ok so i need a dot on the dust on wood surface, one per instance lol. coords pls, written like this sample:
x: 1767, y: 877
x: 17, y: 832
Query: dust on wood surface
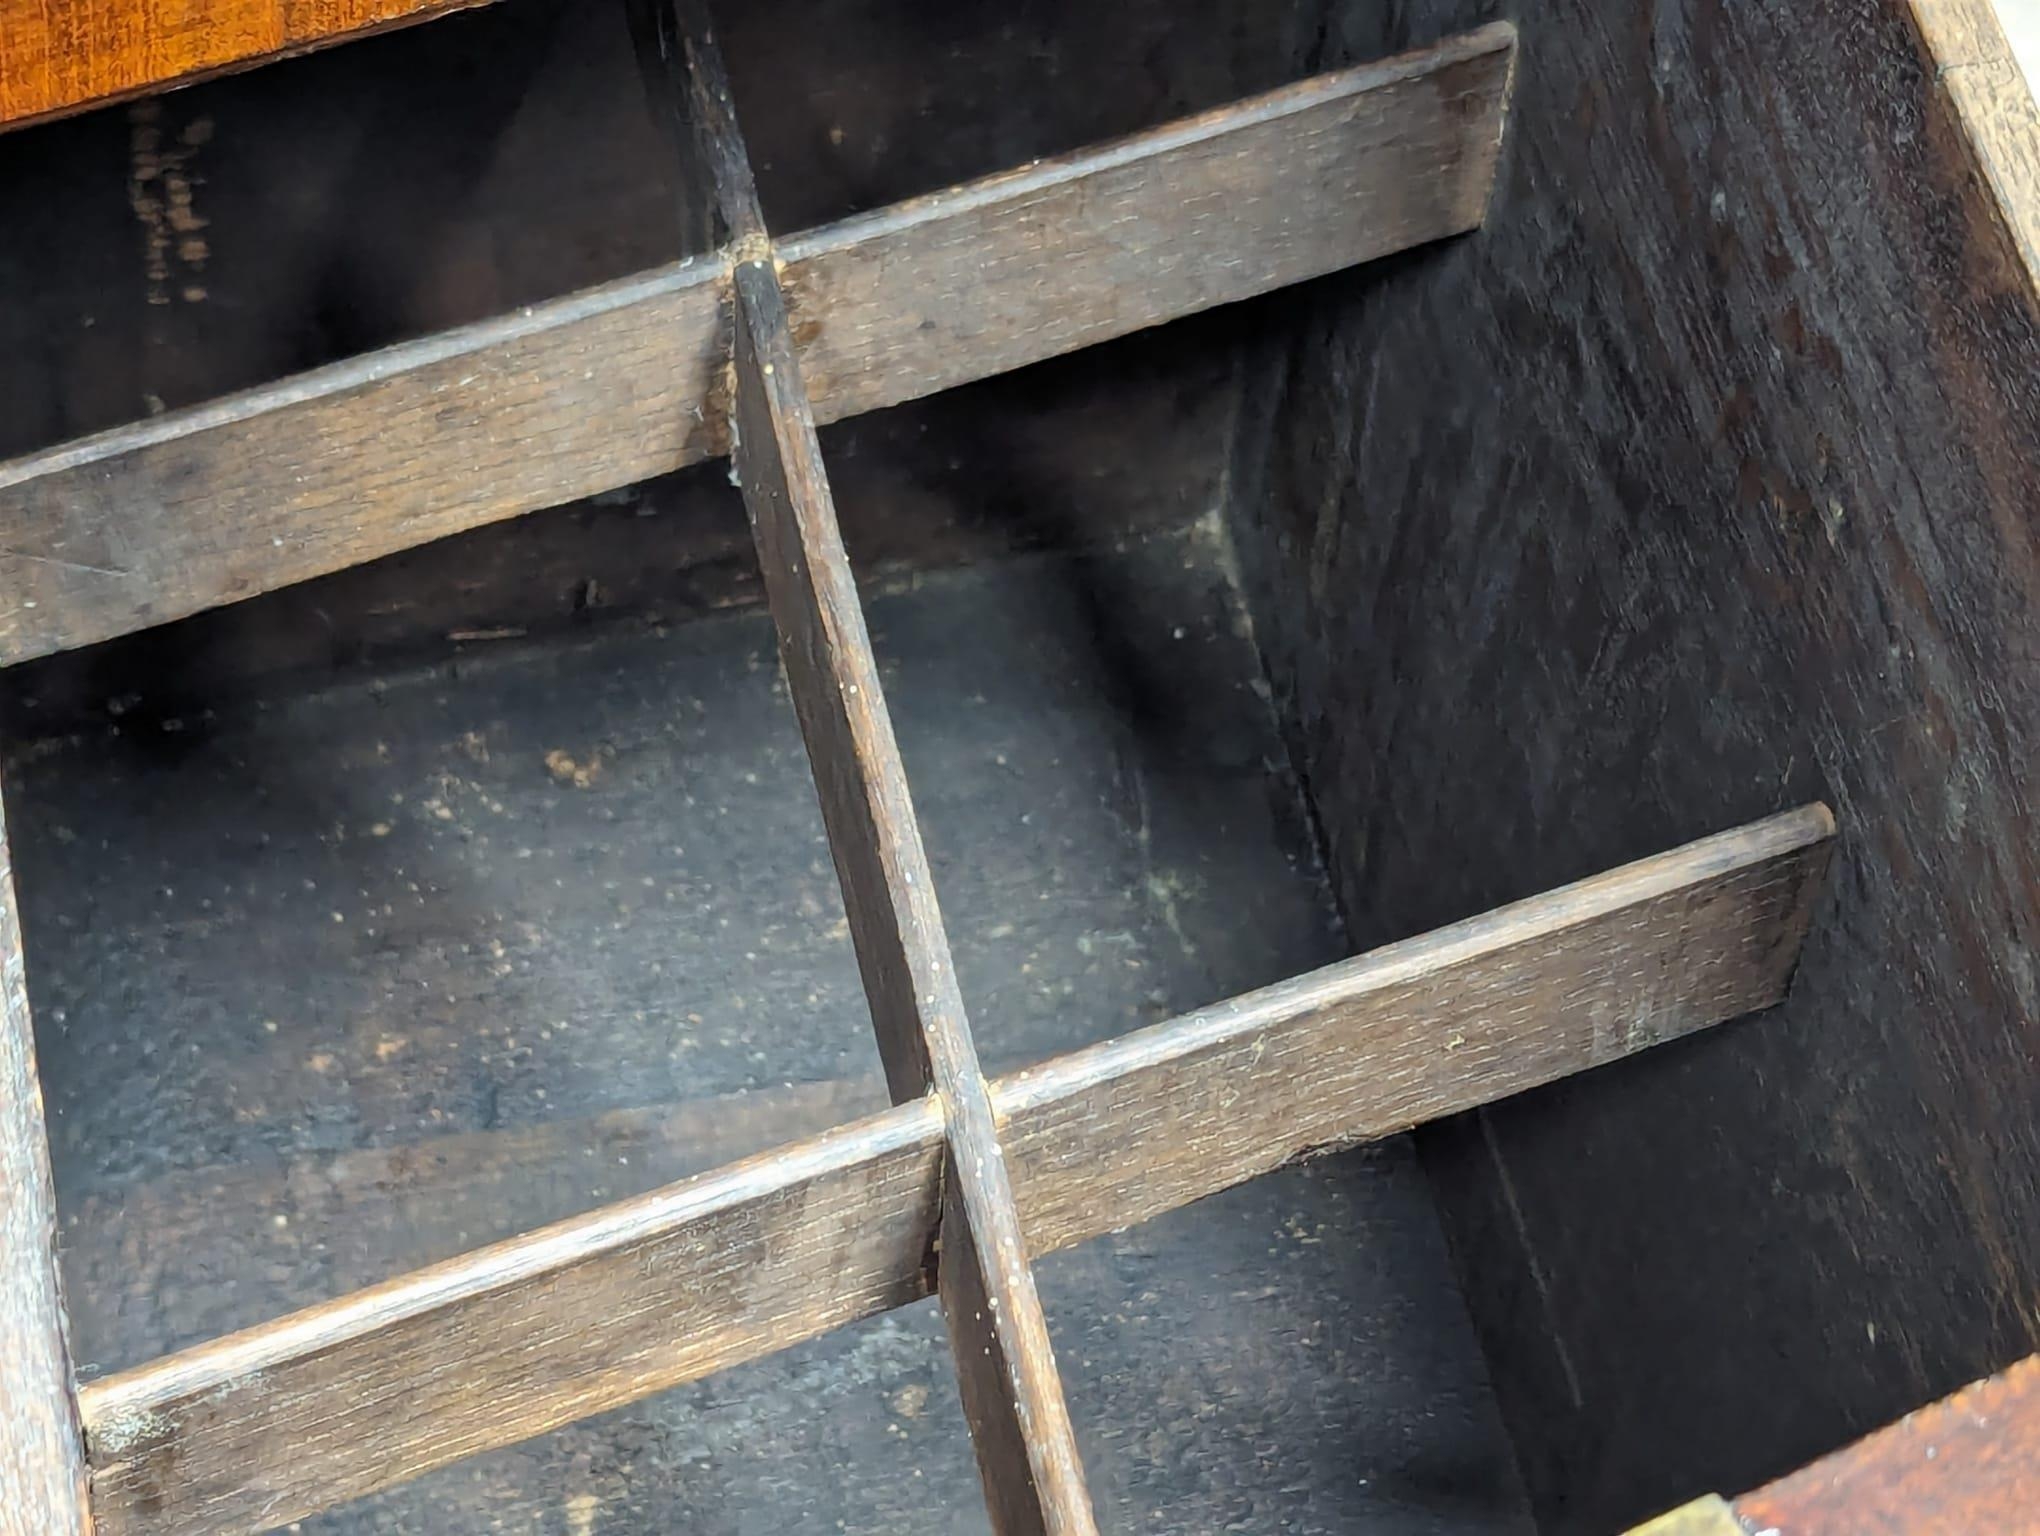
x: 1011, y: 1389
x: 1096, y: 753
x: 73, y: 54
x: 607, y: 1308
x: 864, y: 102
x: 1544, y: 988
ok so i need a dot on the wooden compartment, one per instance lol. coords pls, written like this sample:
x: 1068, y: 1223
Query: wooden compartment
x: 1438, y: 457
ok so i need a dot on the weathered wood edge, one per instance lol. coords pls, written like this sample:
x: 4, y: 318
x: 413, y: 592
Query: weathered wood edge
x: 20, y: 108
x: 1006, y: 1371
x: 1011, y: 1388
x: 698, y: 72
x: 1117, y: 1133
x: 1169, y: 1089
x: 1975, y: 65
x: 275, y: 1423
x: 488, y: 1271
x: 1426, y: 130
x: 1495, y: 40
x: 205, y: 506
x: 42, y: 1453
x: 1967, y: 1464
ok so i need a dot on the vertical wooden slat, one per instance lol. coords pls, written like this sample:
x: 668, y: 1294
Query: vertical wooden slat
x: 42, y: 1455
x: 1012, y: 1393
x: 689, y: 93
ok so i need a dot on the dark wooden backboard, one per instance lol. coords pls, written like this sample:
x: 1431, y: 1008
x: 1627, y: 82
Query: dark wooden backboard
x: 1702, y: 478
x: 165, y: 252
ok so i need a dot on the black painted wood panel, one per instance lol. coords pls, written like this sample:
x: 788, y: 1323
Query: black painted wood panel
x: 1699, y: 481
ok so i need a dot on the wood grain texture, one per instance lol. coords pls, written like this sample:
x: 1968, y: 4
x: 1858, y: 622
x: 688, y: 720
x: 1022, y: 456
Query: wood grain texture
x: 275, y: 1422
x: 687, y: 43
x: 1702, y: 478
x: 42, y: 1462
x: 357, y: 460
x: 1967, y: 1464
x: 171, y: 1164
x: 1012, y: 1391
x: 270, y: 1425
x: 1976, y: 65
x: 62, y: 56
x: 2019, y: 20
x: 357, y: 259
x: 1335, y: 170
x: 213, y: 504
x: 1555, y: 985
x: 1006, y: 1372
x: 832, y: 676
x: 190, y: 1256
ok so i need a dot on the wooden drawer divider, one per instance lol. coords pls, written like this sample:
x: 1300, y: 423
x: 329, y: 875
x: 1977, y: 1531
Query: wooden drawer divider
x: 952, y: 1189
x: 208, y: 505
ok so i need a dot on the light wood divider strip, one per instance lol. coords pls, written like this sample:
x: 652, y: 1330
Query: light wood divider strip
x: 1118, y: 1133
x: 42, y: 1453
x: 1274, y: 190
x: 1974, y: 62
x: 275, y: 1423
x: 199, y: 507
x: 1012, y: 1394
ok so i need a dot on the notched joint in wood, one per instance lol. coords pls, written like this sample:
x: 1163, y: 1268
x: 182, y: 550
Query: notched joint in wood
x: 755, y: 246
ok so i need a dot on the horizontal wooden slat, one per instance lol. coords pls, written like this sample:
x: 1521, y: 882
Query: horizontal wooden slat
x: 1336, y: 170
x: 351, y: 462
x: 273, y: 1423
x: 200, y: 507
x: 276, y: 1422
x: 1011, y: 1389
x: 1110, y: 1136
x: 59, y: 56
x: 146, y: 1260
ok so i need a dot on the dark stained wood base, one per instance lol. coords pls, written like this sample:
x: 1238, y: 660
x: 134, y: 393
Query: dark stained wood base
x: 1286, y: 1356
